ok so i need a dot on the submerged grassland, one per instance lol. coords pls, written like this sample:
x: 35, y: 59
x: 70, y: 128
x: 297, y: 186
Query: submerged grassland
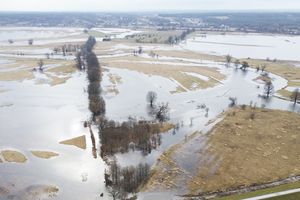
x: 249, y: 146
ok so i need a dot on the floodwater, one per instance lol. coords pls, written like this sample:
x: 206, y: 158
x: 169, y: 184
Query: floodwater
x: 260, y: 46
x: 40, y: 116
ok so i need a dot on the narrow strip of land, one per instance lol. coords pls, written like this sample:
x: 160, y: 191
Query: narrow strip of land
x: 276, y: 194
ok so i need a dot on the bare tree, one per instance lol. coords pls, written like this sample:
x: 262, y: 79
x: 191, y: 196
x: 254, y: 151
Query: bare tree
x: 269, y: 89
x: 228, y: 60
x: 170, y: 40
x: 41, y: 64
x: 233, y: 101
x: 30, y: 41
x: 237, y: 63
x: 151, y: 98
x: 140, y: 51
x: 162, y: 113
x: 263, y: 67
x: 115, y: 192
x: 79, y: 63
x: 295, y: 96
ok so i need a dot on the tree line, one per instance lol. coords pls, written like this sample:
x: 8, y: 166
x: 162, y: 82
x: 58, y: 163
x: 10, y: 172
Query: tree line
x: 121, y: 181
x: 94, y: 75
x: 129, y: 135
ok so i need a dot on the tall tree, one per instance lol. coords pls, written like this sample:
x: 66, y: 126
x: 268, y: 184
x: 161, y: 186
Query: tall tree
x: 30, y: 41
x: 228, y: 60
x: 237, y: 63
x: 41, y: 64
x: 295, y: 96
x: 151, y: 98
x: 269, y: 89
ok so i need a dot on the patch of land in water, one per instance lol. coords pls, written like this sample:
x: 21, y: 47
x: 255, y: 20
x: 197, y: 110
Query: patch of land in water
x: 285, y: 69
x: 281, y: 68
x: 41, y: 192
x: 186, y: 54
x: 280, y: 188
x: 176, y: 72
x: 79, y: 142
x: 153, y: 36
x: 115, y: 80
x: 165, y: 172
x: 13, y: 156
x: 251, y: 146
x: 58, y: 71
x: 44, y: 154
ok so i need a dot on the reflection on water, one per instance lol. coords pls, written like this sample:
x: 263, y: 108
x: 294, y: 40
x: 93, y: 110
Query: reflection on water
x: 40, y: 117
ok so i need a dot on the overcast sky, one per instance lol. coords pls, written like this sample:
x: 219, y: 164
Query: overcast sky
x: 146, y: 5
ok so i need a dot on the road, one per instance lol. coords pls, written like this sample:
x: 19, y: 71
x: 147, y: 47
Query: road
x: 274, y: 194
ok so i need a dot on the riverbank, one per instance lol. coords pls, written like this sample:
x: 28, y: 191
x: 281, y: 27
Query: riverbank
x: 239, y: 151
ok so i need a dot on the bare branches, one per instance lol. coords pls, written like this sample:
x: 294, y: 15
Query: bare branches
x: 151, y: 98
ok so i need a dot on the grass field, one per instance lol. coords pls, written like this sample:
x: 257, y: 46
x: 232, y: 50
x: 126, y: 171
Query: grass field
x: 295, y: 196
x: 281, y: 68
x: 240, y: 150
x: 280, y: 188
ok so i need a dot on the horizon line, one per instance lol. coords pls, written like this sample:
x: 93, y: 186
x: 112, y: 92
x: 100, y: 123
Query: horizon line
x: 158, y: 11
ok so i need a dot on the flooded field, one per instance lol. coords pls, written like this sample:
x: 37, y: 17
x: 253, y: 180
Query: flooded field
x: 45, y: 122
x: 242, y: 45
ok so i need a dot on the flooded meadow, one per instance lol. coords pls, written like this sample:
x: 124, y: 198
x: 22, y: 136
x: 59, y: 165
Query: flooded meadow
x: 43, y: 114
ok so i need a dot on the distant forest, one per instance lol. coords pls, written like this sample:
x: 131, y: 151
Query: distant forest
x: 267, y: 22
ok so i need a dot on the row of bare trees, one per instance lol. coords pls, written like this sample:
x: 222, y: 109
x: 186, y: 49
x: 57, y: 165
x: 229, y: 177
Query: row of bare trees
x: 123, y: 180
x: 67, y: 48
x: 242, y: 65
x: 269, y: 87
x: 139, y: 135
x: 94, y: 75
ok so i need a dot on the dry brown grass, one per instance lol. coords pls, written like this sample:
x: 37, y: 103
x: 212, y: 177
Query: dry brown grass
x: 170, y: 72
x: 284, y: 69
x: 44, y: 154
x: 115, y: 79
x: 257, y: 150
x: 26, y: 73
x: 79, y: 142
x: 247, y: 147
x: 112, y: 89
x: 164, y: 127
x: 165, y: 174
x: 189, y: 55
x: 50, y: 189
x: 265, y: 79
x: 64, y: 68
x: 153, y: 36
x: 19, y: 75
x: 13, y: 156
x: 284, y: 93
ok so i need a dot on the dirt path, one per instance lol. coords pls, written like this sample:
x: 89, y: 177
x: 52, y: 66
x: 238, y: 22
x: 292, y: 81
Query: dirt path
x: 274, y: 194
x: 248, y: 189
